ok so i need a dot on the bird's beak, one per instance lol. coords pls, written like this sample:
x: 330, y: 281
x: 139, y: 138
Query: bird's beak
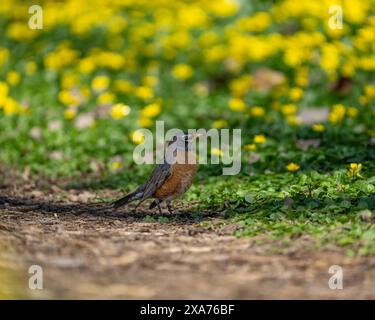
x: 197, y: 135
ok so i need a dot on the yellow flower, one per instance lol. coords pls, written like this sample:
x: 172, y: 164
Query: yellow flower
x: 4, y: 55
x: 10, y: 106
x: 13, y: 78
x: 237, y: 104
x: 216, y: 152
x: 292, y: 167
x: 302, y: 77
x: 241, y: 85
x: 68, y: 98
x: 192, y: 16
x: 354, y: 170
x: 260, y: 138
x: 123, y: 85
x: 150, y: 81
x: 215, y: 54
x: 151, y: 110
x: 20, y: 31
x: 208, y: 38
x: 224, y: 8
x: 69, y: 114
x: 137, y: 137
x: 289, y: 109
x: 106, y: 98
x: 370, y: 91
x: 182, y: 71
x: 352, y: 112
x: 62, y: 57
x: 86, y: 65
x: 337, y: 113
x: 69, y: 80
x: 363, y: 100
x: 295, y: 55
x: 218, y: 124
x: 367, y: 63
x: 318, y: 127
x: 145, y: 122
x: 250, y: 147
x: 257, y: 111
x: 119, y: 111
x: 356, y: 11
x: 30, y: 68
x: 85, y: 92
x: 4, y: 89
x: 117, y: 24
x: 256, y: 23
x: 293, y: 120
x: 330, y: 58
x: 296, y: 93
x: 115, y: 165
x: 100, y: 83
x: 144, y: 93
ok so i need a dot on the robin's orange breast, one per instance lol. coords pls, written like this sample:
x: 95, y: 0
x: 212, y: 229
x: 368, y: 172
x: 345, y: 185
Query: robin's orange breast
x: 181, y: 178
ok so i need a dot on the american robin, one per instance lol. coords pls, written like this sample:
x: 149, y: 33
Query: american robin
x: 170, y: 179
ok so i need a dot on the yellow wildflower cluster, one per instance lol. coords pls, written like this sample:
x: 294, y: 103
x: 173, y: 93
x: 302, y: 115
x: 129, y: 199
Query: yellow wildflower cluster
x: 8, y: 104
x: 292, y: 167
x: 354, y: 170
x: 339, y: 111
x: 119, y: 111
x: 113, y: 57
x: 260, y: 138
x: 182, y: 71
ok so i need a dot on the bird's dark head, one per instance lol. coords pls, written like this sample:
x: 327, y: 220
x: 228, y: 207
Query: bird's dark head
x: 184, y: 140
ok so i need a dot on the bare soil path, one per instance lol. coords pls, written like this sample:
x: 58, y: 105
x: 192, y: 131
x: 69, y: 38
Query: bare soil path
x: 87, y: 251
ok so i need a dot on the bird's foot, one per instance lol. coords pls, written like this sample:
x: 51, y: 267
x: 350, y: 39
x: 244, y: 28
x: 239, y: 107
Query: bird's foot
x: 170, y: 209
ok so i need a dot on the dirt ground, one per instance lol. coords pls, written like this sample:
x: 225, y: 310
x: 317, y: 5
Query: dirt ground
x: 89, y: 251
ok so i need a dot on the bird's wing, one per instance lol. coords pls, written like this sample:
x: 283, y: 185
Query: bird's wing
x: 158, y: 176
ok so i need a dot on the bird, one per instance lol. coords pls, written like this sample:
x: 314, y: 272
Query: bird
x: 170, y: 179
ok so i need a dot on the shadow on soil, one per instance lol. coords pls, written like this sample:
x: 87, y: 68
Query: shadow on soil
x: 103, y: 210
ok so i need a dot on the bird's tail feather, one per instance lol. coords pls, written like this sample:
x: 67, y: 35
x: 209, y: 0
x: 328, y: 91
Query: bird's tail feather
x: 125, y: 200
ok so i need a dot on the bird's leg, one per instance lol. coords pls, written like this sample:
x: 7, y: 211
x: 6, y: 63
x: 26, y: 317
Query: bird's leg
x: 158, y: 204
x: 170, y: 210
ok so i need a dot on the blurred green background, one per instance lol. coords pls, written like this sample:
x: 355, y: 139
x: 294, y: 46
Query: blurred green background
x: 73, y: 94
